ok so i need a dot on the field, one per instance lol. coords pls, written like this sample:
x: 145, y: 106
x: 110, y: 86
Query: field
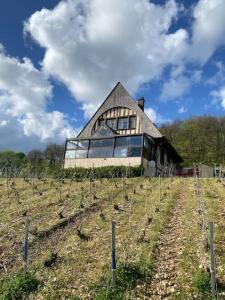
x: 162, y: 249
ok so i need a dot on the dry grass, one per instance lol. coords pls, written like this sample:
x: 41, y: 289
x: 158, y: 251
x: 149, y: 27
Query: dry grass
x: 80, y: 264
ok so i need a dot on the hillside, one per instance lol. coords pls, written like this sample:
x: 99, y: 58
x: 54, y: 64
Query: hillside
x: 198, y: 139
x: 159, y: 237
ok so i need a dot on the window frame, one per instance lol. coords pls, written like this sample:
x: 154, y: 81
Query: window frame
x: 135, y: 118
x: 116, y: 123
x: 122, y: 118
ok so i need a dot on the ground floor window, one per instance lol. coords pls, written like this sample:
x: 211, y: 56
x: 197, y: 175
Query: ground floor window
x: 118, y: 146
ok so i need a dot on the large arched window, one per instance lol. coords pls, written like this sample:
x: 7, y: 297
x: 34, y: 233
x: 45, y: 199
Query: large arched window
x: 120, y: 119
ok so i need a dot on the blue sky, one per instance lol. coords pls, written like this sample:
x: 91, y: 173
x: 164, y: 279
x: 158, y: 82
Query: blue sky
x: 60, y: 59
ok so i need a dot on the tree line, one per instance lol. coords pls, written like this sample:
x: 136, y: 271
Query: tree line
x: 51, y: 156
x: 198, y: 139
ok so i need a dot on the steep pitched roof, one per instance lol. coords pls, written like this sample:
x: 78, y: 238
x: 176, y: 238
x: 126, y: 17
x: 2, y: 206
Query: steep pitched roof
x: 119, y: 96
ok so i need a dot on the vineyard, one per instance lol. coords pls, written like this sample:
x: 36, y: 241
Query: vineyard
x: 161, y: 238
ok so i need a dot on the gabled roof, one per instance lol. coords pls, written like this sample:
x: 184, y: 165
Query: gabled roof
x: 119, y: 97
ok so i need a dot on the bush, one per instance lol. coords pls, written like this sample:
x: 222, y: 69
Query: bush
x: 201, y: 282
x: 103, y: 172
x: 18, y: 286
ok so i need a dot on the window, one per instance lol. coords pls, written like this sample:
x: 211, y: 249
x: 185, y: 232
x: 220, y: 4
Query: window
x: 82, y: 144
x: 134, y: 151
x: 71, y: 145
x: 100, y: 152
x: 81, y: 153
x: 129, y: 141
x: 123, y: 123
x: 120, y: 152
x: 148, y: 149
x: 129, y: 146
x: 101, y: 148
x: 101, y: 122
x: 101, y: 143
x: 70, y: 154
x: 132, y: 122
x: 112, y: 123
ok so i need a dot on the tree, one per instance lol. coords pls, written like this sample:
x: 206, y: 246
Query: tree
x: 54, y: 153
x: 35, y: 156
x: 198, y: 139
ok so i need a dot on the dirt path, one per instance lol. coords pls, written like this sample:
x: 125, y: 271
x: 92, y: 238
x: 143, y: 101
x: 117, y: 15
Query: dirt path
x: 163, y: 283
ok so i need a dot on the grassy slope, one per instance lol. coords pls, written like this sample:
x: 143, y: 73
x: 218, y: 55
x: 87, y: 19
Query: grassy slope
x: 81, y: 264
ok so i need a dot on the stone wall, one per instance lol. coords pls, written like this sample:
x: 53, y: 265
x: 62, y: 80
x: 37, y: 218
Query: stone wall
x: 102, y: 162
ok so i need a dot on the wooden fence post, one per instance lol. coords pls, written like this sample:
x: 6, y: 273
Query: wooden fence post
x: 113, y: 253
x: 159, y: 187
x: 212, y: 260
x: 26, y: 233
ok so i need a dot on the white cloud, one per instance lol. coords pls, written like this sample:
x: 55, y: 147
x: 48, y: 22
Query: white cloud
x: 219, y: 76
x: 219, y: 96
x: 91, y: 45
x: 208, y: 29
x: 24, y: 92
x: 53, y: 124
x: 175, y: 88
x: 155, y: 117
x: 182, y: 110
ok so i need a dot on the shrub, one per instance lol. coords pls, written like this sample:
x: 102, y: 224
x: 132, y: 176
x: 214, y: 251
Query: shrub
x: 18, y: 286
x: 103, y: 172
x: 201, y: 282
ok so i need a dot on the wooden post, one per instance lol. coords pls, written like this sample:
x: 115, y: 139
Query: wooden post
x: 159, y: 187
x: 123, y: 186
x: 113, y: 253
x: 26, y: 242
x: 212, y: 260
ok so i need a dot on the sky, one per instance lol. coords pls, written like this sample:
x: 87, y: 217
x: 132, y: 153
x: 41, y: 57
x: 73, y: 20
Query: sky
x: 60, y: 59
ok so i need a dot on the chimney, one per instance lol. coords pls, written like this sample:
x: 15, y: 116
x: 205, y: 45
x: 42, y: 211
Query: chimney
x: 141, y: 103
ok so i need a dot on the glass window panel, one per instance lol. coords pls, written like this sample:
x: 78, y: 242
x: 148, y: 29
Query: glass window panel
x: 100, y: 152
x: 71, y: 145
x: 70, y: 154
x: 123, y: 123
x: 112, y: 123
x: 81, y: 153
x: 148, y: 149
x: 101, y: 122
x: 82, y: 144
x: 132, y: 122
x: 120, y: 152
x: 101, y: 143
x: 129, y: 141
x: 134, y: 151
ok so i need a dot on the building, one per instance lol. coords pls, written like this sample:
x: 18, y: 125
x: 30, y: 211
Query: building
x: 120, y: 133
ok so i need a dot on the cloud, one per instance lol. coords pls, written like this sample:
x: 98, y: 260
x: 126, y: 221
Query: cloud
x: 156, y: 117
x: 219, y: 96
x: 24, y: 93
x: 208, y: 29
x: 175, y: 88
x: 219, y: 76
x: 182, y: 110
x: 91, y: 45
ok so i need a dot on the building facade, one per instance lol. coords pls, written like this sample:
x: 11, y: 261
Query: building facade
x: 120, y: 133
